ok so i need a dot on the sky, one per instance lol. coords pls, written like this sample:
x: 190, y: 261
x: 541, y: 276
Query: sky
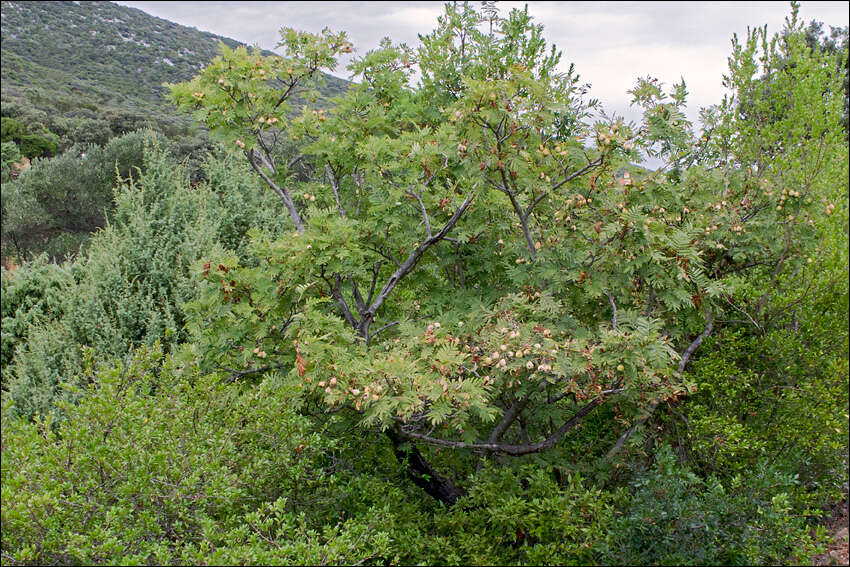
x: 611, y: 43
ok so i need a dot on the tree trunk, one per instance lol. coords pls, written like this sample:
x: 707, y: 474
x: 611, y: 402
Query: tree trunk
x: 421, y: 473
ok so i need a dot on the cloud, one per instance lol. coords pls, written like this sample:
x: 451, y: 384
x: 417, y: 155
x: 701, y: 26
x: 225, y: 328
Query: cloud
x: 611, y: 43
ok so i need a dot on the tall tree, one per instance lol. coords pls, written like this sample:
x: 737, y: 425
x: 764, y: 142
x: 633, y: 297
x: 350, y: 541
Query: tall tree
x: 464, y: 268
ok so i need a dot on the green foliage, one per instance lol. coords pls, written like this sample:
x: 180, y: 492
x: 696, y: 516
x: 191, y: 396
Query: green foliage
x: 158, y: 464
x: 32, y: 297
x: 456, y: 281
x: 780, y: 398
x: 524, y: 518
x: 10, y: 155
x: 126, y: 290
x: 10, y: 129
x: 128, y: 287
x: 674, y: 517
x: 545, y: 283
x: 68, y: 195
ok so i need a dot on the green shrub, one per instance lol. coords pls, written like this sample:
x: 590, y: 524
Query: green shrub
x: 674, y: 517
x: 159, y: 464
x: 71, y: 193
x: 126, y: 291
x: 780, y: 398
x: 31, y: 297
x: 521, y: 517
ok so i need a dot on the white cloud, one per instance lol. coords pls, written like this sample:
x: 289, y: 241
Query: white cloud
x: 611, y: 43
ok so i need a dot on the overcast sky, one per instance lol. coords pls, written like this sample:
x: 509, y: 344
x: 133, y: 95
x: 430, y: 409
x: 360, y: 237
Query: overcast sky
x: 611, y: 43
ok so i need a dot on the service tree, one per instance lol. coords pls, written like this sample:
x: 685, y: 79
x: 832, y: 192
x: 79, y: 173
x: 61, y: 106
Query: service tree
x: 469, y: 262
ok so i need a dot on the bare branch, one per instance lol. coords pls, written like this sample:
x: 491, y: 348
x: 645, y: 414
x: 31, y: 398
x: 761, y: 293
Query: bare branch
x: 613, y: 309
x: 406, y: 267
x: 595, y: 163
x: 282, y: 192
x: 294, y: 160
x: 337, y: 294
x: 753, y: 321
x: 358, y: 299
x: 630, y: 431
x: 418, y: 197
x: 387, y: 326
x: 508, y: 418
x: 375, y: 271
x: 330, y: 173
x: 286, y: 93
x: 686, y: 356
x: 234, y: 374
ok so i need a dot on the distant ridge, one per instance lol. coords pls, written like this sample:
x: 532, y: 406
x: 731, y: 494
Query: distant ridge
x: 86, y: 60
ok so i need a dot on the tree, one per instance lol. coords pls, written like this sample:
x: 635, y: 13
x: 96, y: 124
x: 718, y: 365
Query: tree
x: 464, y: 270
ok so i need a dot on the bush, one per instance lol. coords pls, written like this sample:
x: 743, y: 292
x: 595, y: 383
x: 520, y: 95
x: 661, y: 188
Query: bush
x: 521, y: 517
x: 31, y: 297
x: 127, y: 290
x: 68, y: 194
x: 674, y: 517
x: 780, y: 398
x: 158, y: 464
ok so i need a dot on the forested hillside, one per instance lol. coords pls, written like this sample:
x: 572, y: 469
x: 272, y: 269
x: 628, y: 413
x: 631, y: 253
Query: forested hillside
x: 84, y: 73
x: 96, y: 69
x: 446, y: 317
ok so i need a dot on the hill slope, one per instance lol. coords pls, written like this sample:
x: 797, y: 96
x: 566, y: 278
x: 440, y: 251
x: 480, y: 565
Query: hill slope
x: 88, y: 71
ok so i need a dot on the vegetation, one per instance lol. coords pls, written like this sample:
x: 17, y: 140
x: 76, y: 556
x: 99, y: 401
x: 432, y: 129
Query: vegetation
x: 76, y: 76
x: 446, y: 322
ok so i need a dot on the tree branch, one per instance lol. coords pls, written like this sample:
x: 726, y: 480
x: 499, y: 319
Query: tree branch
x: 330, y: 173
x: 358, y: 299
x: 613, y: 309
x: 424, y: 212
x: 337, y: 294
x: 508, y: 418
x: 595, y: 163
x: 375, y: 271
x: 405, y: 268
x: 281, y: 192
x: 686, y: 356
x: 513, y: 450
x: 234, y: 374
x: 534, y: 203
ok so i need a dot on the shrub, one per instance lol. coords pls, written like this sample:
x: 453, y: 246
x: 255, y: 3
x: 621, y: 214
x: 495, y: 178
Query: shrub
x: 159, y: 464
x: 674, y: 517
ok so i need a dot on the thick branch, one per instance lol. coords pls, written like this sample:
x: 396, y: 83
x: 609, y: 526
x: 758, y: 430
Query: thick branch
x: 358, y: 299
x: 376, y: 269
x: 337, y: 294
x: 686, y: 356
x: 514, y: 450
x: 508, y: 419
x: 420, y: 472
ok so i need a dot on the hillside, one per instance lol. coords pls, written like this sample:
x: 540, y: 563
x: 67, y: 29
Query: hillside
x: 88, y: 71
